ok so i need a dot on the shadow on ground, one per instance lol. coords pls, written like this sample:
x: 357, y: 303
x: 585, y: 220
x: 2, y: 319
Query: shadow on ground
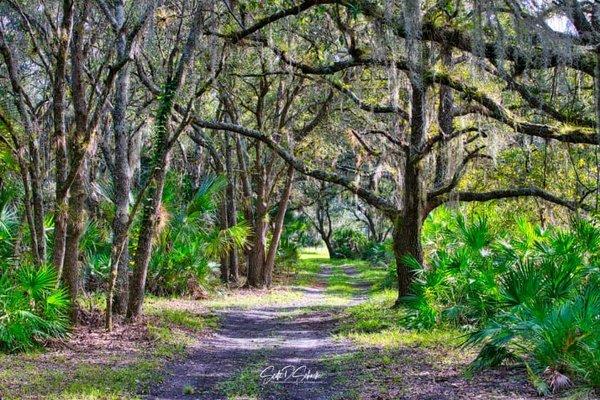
x: 252, y: 345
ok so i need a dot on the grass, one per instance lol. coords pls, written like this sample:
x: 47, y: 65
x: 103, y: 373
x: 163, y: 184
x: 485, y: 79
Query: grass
x: 246, y: 299
x: 306, y: 271
x: 311, y: 253
x: 244, y: 385
x: 99, y: 382
x: 174, y: 312
x: 60, y: 379
x: 339, y: 283
x: 376, y: 330
x: 376, y: 323
x: 189, y: 390
x: 104, y: 372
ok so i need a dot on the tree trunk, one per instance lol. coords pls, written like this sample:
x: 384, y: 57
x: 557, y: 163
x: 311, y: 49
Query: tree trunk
x: 77, y: 193
x: 224, y: 267
x: 160, y: 165
x: 118, y: 284
x: 256, y: 257
x: 408, y: 225
x: 60, y: 140
x: 278, y: 229
x: 232, y: 258
x: 444, y: 160
x: 407, y: 230
x: 234, y: 273
x: 60, y: 227
x: 329, y: 246
x: 24, y: 172
x: 137, y: 284
x: 597, y: 117
x: 37, y: 200
x: 75, y: 225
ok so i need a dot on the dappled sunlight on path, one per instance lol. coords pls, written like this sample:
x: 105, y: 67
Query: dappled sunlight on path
x: 253, y: 344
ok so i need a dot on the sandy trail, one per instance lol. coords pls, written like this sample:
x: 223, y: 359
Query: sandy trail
x: 292, y: 339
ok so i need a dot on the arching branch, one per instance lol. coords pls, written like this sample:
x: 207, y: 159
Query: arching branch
x: 492, y: 109
x: 301, y: 166
x: 507, y: 194
x: 498, y: 112
x: 294, y: 10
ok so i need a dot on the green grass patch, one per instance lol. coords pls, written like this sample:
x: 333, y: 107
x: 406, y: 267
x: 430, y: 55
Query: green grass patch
x: 360, y: 369
x: 306, y: 271
x: 309, y: 253
x: 244, y: 385
x: 99, y: 382
x: 169, y: 343
x: 339, y: 283
x: 107, y: 374
x: 88, y: 381
x: 186, y: 319
x: 246, y: 299
x: 372, y: 274
x: 374, y: 315
x: 375, y: 323
x: 394, y: 338
x: 189, y: 390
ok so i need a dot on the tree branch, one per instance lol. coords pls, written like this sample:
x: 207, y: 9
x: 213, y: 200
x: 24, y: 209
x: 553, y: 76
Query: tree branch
x: 294, y: 10
x: 508, y: 194
x: 300, y: 165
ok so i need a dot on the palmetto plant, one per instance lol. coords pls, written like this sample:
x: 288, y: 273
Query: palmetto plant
x: 549, y: 310
x: 8, y: 225
x: 32, y: 307
x: 191, y: 238
x: 458, y: 286
x: 95, y: 248
x: 532, y: 296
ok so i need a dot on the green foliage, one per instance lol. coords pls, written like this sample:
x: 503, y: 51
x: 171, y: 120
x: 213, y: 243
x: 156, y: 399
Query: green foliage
x: 529, y: 295
x: 458, y: 287
x: 549, y: 309
x: 374, y: 315
x: 245, y: 384
x: 191, y: 238
x: 95, y: 247
x: 351, y: 243
x: 348, y: 243
x: 378, y: 252
x: 189, y: 390
x: 297, y: 233
x: 32, y: 307
x: 8, y: 226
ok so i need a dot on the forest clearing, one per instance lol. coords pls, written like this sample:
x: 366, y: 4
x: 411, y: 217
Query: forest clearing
x: 299, y: 199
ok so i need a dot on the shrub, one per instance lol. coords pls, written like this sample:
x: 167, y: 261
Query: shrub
x: 378, y: 252
x: 532, y: 296
x: 190, y: 239
x: 297, y: 233
x: 32, y: 307
x: 458, y: 287
x: 549, y: 309
x: 348, y: 243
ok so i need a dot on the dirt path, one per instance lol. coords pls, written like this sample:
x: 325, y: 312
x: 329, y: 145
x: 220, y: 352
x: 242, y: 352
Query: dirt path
x: 278, y: 352
x: 265, y: 353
